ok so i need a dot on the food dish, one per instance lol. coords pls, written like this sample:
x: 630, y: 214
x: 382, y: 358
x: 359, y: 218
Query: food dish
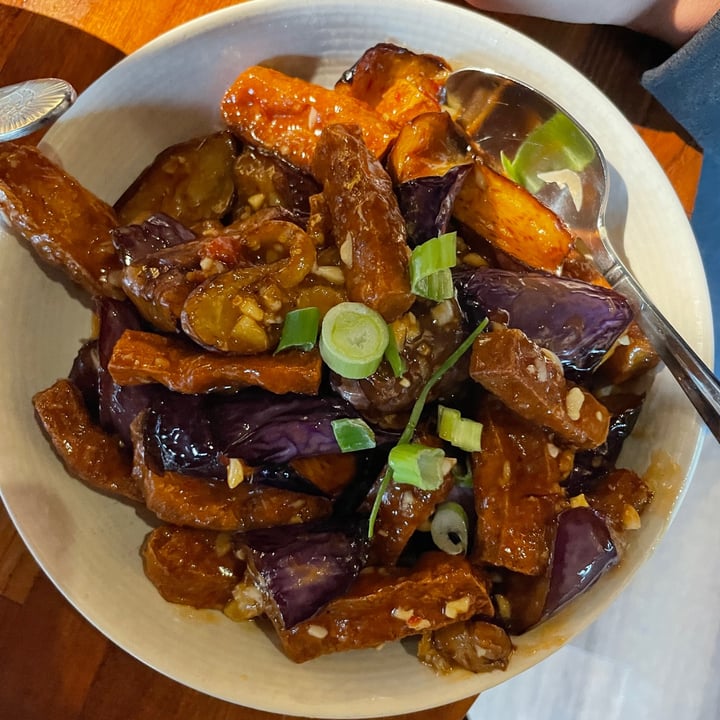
x: 105, y: 540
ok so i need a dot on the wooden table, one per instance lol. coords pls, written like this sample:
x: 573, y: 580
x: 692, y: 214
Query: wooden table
x: 53, y: 664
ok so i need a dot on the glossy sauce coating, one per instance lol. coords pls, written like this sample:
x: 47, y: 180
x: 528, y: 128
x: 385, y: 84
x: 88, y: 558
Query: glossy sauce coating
x: 367, y: 225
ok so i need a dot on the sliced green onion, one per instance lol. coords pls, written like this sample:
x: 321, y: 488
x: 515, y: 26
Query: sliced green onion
x: 430, y: 265
x: 300, y: 329
x: 556, y: 144
x: 418, y: 465
x: 438, y: 286
x: 449, y: 528
x: 353, y: 339
x: 393, y: 356
x: 461, y: 432
x: 409, y: 430
x: 353, y: 434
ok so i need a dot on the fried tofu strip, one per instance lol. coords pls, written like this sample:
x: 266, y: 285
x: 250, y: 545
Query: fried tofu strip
x: 385, y: 605
x: 88, y: 452
x: 367, y: 224
x: 195, y: 502
x: 199, y: 503
x: 512, y: 367
x: 516, y: 479
x: 286, y: 114
x: 512, y: 220
x: 191, y: 567
x: 65, y: 224
x: 143, y: 357
x: 403, y: 510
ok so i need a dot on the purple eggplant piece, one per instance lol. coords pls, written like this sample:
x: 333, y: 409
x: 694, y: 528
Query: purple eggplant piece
x: 262, y: 428
x: 114, y: 317
x: 577, y: 321
x: 426, y: 203
x: 197, y: 434
x: 118, y: 405
x: 302, y: 567
x: 583, y: 551
x: 85, y: 376
x: 179, y: 438
x: 176, y: 445
x: 591, y: 465
x: 158, y: 232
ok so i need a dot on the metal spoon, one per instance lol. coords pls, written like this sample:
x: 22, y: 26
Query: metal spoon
x: 499, y: 112
x: 31, y: 105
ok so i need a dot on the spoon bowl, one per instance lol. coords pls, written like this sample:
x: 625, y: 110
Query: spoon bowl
x: 502, y: 116
x: 31, y: 105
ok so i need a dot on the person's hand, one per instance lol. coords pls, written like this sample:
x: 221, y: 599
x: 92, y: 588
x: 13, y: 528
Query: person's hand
x: 674, y: 21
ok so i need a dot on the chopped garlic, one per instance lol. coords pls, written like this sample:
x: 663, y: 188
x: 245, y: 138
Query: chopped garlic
x: 256, y: 201
x: 573, y: 403
x: 631, y: 518
x: 453, y: 608
x: 317, y: 631
x: 235, y: 472
x: 579, y: 501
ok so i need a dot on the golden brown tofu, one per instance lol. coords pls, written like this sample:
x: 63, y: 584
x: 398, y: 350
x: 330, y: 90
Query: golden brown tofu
x: 65, y: 224
x: 403, y: 510
x: 331, y: 473
x: 142, y: 357
x: 191, y: 567
x: 384, y: 605
x: 87, y: 451
x: 367, y: 225
x: 530, y: 382
x: 620, y: 497
x: 516, y: 479
x: 631, y: 356
x: 201, y: 503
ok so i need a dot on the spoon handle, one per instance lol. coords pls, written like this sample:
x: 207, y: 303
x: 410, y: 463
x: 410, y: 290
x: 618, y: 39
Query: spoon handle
x: 694, y: 377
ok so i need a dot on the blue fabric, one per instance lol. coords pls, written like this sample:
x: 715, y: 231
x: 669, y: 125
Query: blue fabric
x: 688, y: 85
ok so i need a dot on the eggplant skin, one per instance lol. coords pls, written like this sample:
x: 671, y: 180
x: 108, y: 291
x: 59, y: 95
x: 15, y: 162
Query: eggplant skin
x: 577, y: 321
x: 582, y: 552
x: 195, y: 434
x: 302, y: 567
x: 158, y: 232
x: 426, y: 203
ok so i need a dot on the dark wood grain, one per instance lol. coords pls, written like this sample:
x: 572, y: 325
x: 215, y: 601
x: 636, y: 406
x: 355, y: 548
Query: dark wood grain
x: 53, y: 664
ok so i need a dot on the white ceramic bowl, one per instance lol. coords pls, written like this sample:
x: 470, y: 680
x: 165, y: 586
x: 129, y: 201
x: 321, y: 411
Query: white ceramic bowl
x: 169, y: 91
